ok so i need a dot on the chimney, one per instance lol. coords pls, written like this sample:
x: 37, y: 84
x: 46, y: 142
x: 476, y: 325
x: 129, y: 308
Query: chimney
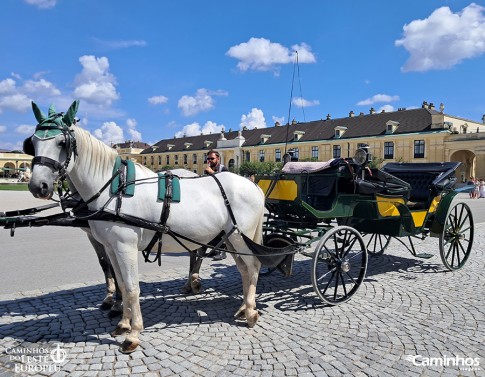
x: 351, y: 114
x: 372, y: 110
x: 361, y: 113
x: 329, y: 117
x: 424, y: 105
x: 294, y: 121
x: 277, y: 124
x: 442, y: 107
x: 431, y: 106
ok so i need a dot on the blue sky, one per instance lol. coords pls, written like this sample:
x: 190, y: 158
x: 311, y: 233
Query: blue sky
x: 148, y: 70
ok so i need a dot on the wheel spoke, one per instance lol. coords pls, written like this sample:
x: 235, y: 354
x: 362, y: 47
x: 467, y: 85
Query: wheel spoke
x: 329, y: 271
x: 343, y: 284
x: 329, y: 281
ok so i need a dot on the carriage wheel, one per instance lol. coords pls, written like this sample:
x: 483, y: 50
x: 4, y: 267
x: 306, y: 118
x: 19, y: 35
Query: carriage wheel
x: 457, y: 238
x: 339, y: 265
x: 277, y: 241
x: 375, y: 243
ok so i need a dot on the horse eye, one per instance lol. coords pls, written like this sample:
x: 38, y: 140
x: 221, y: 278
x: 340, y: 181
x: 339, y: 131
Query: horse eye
x: 62, y: 143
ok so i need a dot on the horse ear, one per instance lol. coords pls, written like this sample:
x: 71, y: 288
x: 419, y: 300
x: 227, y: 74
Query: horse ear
x: 52, y: 110
x: 38, y: 114
x: 68, y: 118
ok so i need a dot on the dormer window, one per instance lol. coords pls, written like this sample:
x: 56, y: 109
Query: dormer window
x: 170, y: 146
x: 207, y: 143
x: 339, y: 131
x: 187, y: 145
x: 264, y: 138
x: 297, y: 135
x: 391, y: 126
x: 154, y: 148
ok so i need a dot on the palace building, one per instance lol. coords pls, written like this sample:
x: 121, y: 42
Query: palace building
x: 416, y: 135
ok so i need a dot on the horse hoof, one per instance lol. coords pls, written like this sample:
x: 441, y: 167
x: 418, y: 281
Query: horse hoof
x: 106, y: 306
x: 120, y: 331
x: 186, y: 289
x: 128, y: 346
x: 252, y: 320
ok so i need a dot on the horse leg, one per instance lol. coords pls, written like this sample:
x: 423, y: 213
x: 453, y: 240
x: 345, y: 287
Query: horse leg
x: 248, y: 267
x: 126, y: 267
x: 193, y: 281
x: 124, y: 323
x: 107, y: 270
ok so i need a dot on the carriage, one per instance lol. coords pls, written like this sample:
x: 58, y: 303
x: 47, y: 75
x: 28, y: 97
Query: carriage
x: 348, y: 208
x: 353, y: 211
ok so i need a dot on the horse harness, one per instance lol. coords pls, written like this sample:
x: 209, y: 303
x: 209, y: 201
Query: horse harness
x: 55, y: 124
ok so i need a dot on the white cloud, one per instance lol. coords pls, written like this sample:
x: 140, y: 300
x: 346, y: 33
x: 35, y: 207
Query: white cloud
x: 95, y: 84
x: 15, y: 102
x: 254, y: 119
x: 378, y: 98
x: 3, y: 129
x: 25, y: 129
x: 202, y: 101
x: 301, y: 102
x: 386, y: 108
x: 42, y: 4
x: 110, y: 133
x: 280, y: 120
x: 116, y: 45
x: 261, y: 54
x: 157, y: 100
x: 444, y: 39
x: 134, y: 133
x: 41, y: 87
x: 7, y: 86
x: 194, y: 129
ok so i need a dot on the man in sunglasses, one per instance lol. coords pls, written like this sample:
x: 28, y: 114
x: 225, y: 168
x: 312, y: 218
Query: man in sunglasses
x: 214, y: 166
x: 214, y: 163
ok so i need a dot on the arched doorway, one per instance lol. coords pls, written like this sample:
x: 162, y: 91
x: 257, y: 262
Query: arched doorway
x: 467, y: 168
x: 230, y: 166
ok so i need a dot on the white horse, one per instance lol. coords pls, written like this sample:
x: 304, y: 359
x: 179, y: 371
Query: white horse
x: 200, y: 216
x: 113, y: 298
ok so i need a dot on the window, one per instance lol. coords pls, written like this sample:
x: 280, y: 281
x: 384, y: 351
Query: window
x: 248, y: 156
x: 194, y: 158
x: 388, y: 150
x: 176, y: 157
x: 277, y: 154
x: 418, y: 148
x: 185, y: 159
x: 337, y: 151
x: 261, y: 155
x: 159, y: 160
x: 144, y: 160
x: 296, y: 153
x: 167, y: 160
x: 152, y: 160
x: 315, y: 152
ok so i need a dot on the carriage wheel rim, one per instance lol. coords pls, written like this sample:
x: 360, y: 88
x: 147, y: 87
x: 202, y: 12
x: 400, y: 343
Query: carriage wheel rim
x: 457, y: 238
x: 344, y: 268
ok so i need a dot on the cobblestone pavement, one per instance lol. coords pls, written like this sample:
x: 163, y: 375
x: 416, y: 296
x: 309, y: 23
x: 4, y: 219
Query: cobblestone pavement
x: 406, y: 307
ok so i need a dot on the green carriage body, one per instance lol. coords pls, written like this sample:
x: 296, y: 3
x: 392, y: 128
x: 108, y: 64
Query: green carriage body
x: 386, y: 201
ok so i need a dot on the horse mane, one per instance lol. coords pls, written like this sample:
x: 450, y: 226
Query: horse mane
x: 97, y: 158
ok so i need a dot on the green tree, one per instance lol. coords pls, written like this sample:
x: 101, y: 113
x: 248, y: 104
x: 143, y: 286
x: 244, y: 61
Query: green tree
x: 249, y: 168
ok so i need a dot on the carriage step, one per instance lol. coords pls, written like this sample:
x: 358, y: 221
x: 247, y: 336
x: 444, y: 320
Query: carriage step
x: 424, y: 255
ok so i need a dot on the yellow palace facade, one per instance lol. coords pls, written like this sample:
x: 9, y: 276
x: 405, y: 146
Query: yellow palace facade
x: 415, y: 135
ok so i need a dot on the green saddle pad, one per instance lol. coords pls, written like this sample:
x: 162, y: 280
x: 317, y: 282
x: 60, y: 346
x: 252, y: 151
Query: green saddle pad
x: 129, y: 190
x: 162, y: 187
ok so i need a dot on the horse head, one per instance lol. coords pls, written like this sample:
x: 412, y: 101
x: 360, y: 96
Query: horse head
x: 53, y: 145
